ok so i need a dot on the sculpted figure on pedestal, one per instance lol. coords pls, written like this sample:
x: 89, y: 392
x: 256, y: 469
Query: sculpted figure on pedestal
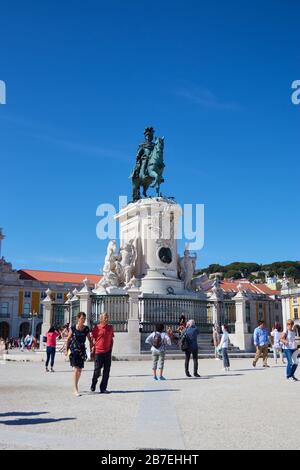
x: 128, y: 258
x: 110, y: 277
x: 186, y: 268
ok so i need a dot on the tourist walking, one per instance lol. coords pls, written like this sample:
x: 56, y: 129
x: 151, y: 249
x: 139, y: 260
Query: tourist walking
x: 191, y: 335
x: 261, y: 342
x: 76, y: 348
x: 288, y: 340
x: 223, y: 347
x: 2, y: 346
x: 181, y: 324
x: 159, y: 340
x: 216, y: 340
x: 64, y: 336
x: 51, y: 336
x: 176, y: 335
x: 28, y: 342
x: 34, y: 344
x: 276, y: 334
x: 102, y: 337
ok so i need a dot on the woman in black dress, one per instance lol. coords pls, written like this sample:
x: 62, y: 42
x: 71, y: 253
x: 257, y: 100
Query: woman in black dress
x: 76, y: 347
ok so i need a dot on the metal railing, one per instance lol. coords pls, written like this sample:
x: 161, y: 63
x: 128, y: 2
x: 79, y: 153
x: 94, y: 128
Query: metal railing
x: 117, y: 307
x: 60, y: 314
x: 74, y: 310
x: 168, y: 311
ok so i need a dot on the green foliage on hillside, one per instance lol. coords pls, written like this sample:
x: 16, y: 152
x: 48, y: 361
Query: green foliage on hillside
x: 238, y: 270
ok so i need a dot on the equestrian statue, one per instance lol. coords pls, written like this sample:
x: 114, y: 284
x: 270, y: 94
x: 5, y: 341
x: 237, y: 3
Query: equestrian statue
x: 149, y: 165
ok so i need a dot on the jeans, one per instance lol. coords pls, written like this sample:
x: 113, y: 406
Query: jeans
x: 50, y: 351
x: 195, y: 359
x: 226, y: 362
x: 292, y: 359
x: 102, y: 360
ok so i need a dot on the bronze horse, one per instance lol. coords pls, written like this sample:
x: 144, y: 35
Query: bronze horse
x: 150, y: 172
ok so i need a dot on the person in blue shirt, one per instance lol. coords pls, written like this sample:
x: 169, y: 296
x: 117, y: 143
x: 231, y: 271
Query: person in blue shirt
x: 191, y: 332
x: 261, y: 342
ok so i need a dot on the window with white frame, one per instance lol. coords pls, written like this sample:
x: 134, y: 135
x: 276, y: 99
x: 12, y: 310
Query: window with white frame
x: 26, y: 309
x: 59, y: 295
x: 296, y: 317
x: 27, y: 294
x: 4, y: 308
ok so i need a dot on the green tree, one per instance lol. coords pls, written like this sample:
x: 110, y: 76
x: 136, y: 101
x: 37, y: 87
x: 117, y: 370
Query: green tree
x: 233, y: 275
x: 261, y: 275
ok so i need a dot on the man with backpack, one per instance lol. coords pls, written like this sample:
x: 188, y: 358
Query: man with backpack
x: 159, y: 342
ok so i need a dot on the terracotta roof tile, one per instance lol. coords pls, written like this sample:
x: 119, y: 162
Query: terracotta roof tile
x: 59, y: 277
x: 247, y: 285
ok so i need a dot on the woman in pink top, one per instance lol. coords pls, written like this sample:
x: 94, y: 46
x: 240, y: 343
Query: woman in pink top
x: 51, y: 347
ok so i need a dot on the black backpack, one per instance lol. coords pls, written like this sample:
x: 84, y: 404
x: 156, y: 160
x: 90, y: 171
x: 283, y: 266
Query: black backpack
x: 157, y: 340
x: 184, y: 342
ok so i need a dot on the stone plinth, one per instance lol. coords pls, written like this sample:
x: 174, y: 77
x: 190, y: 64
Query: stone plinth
x: 152, y: 224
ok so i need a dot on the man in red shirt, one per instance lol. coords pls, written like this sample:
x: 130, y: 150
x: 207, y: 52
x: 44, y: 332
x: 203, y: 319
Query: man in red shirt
x: 102, y: 335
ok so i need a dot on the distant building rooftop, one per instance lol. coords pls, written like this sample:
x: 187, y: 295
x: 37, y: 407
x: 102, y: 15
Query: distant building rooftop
x: 56, y: 276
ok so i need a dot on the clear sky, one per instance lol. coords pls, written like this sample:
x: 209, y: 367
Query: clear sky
x: 83, y: 80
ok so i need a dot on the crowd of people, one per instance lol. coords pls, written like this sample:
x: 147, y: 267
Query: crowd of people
x: 185, y: 336
x: 24, y: 343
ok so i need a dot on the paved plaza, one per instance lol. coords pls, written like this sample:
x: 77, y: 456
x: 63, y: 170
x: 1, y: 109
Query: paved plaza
x: 245, y: 408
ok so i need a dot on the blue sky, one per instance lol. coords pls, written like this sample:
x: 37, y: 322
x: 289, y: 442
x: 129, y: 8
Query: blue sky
x: 84, y: 79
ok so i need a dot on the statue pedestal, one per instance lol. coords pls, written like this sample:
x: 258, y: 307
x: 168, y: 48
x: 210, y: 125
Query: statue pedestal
x: 152, y: 224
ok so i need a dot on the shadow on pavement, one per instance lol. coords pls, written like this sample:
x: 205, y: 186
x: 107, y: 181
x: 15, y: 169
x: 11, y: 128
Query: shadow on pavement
x: 146, y: 391
x: 112, y: 392
x: 23, y: 413
x: 225, y: 375
x: 25, y: 422
x: 190, y: 378
x: 253, y: 369
x: 131, y: 375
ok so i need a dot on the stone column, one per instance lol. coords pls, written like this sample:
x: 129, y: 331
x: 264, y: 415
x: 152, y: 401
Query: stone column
x: 242, y: 339
x: 285, y: 304
x: 134, y: 336
x: 47, y: 316
x: 85, y: 301
x: 216, y: 298
x: 130, y: 343
x: 84, y: 296
x: 216, y: 313
x: 68, y: 311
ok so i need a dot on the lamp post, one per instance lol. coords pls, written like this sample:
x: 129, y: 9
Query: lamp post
x: 32, y: 315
